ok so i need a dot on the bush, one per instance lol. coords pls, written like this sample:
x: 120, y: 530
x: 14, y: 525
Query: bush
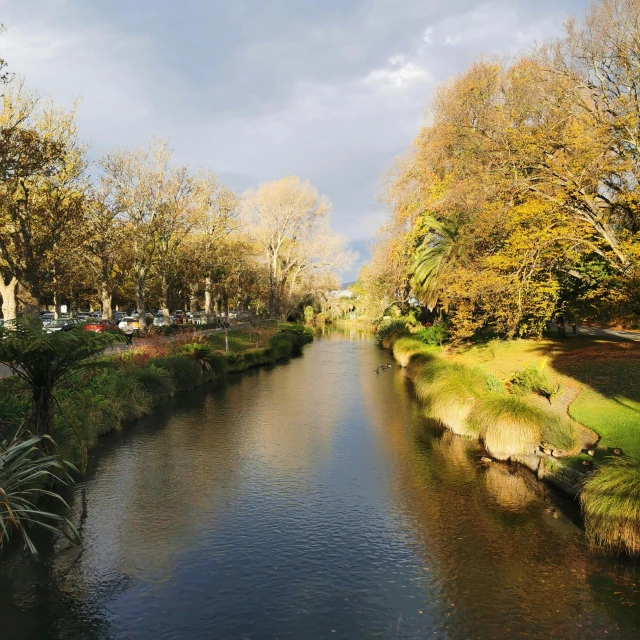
x: 434, y: 335
x: 186, y: 373
x: 234, y: 361
x: 25, y: 475
x: 534, y: 379
x: 494, y: 383
x: 610, y: 500
x: 155, y: 380
x: 510, y: 426
x: 452, y: 394
x: 387, y: 327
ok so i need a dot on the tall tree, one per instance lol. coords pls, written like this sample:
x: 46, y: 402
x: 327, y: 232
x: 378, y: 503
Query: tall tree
x: 41, y: 191
x: 137, y: 181
x: 281, y: 213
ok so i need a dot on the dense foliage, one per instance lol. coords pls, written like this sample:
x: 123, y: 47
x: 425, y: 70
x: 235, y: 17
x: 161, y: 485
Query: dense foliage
x: 518, y: 201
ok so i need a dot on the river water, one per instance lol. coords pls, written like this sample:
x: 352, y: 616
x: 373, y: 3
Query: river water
x: 313, y: 500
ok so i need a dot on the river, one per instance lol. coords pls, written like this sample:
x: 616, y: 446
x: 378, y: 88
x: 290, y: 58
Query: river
x: 312, y: 500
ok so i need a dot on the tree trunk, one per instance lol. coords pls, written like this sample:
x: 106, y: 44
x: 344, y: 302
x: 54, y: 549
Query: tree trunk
x: 273, y: 266
x: 140, y: 277
x: 165, y: 301
x: 42, y: 414
x: 9, y: 298
x: 208, y: 299
x: 106, y: 297
x: 29, y: 303
x: 193, y: 298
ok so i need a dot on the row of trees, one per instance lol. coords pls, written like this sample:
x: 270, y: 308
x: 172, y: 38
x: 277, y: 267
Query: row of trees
x: 138, y: 229
x: 519, y: 198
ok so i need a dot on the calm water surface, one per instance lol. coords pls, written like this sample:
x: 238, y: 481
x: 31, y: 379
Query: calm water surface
x: 313, y: 501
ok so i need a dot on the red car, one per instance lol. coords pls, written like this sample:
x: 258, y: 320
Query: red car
x: 99, y: 326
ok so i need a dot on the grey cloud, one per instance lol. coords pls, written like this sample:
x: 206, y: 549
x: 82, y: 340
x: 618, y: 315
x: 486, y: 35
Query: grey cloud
x: 255, y: 89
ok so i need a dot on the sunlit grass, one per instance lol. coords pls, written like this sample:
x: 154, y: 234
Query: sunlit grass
x: 451, y: 395
x: 610, y: 501
x: 509, y: 425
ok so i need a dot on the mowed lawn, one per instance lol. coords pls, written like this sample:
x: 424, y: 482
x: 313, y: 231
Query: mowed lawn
x: 606, y: 375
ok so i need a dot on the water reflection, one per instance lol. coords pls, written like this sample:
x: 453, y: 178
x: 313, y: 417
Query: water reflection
x: 313, y: 500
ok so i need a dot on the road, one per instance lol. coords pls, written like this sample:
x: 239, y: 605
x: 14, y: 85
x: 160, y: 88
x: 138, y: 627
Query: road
x: 600, y: 332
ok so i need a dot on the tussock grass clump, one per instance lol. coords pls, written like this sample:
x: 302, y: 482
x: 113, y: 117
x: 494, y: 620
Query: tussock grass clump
x: 610, y: 500
x: 407, y: 346
x: 452, y: 395
x: 510, y: 426
x: 156, y: 381
x: 387, y: 327
x: 186, y: 372
x: 421, y: 364
x: 560, y: 433
x: 535, y: 379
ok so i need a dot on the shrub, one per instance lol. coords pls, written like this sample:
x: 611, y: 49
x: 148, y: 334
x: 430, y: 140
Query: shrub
x: 610, y: 500
x: 509, y: 425
x: 186, y: 373
x: 535, y: 379
x: 234, y: 361
x: 452, y: 395
x: 387, y: 327
x: 25, y: 475
x: 199, y: 353
x: 435, y: 334
x: 494, y: 383
x: 155, y: 380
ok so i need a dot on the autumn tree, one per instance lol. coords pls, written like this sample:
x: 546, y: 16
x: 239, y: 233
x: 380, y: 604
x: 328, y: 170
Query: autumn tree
x: 41, y: 193
x: 143, y: 188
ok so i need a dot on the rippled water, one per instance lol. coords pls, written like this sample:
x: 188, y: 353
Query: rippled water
x: 313, y: 501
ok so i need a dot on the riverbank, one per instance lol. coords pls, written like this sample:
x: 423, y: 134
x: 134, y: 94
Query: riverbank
x: 566, y: 409
x: 127, y: 385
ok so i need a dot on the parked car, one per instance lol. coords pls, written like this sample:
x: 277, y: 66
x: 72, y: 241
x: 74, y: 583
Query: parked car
x: 62, y: 324
x: 158, y: 320
x: 47, y: 318
x: 118, y: 315
x: 130, y: 322
x: 178, y: 316
x: 100, y: 326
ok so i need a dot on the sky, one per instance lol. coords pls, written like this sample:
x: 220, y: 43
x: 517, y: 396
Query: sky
x: 329, y: 90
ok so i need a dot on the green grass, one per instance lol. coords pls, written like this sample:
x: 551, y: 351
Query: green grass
x: 611, y: 407
x: 610, y: 501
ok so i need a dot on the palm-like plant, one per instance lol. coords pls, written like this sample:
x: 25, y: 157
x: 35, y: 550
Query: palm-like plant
x: 199, y: 352
x: 25, y: 474
x: 432, y: 257
x: 45, y: 360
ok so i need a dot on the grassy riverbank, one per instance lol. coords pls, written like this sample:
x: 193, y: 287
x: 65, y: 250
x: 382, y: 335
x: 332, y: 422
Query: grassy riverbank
x: 125, y: 386
x: 525, y: 399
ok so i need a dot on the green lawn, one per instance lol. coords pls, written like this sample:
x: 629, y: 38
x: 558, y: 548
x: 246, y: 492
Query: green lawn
x: 606, y: 373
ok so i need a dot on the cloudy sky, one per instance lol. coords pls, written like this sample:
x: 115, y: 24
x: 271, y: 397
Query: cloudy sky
x: 330, y: 90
